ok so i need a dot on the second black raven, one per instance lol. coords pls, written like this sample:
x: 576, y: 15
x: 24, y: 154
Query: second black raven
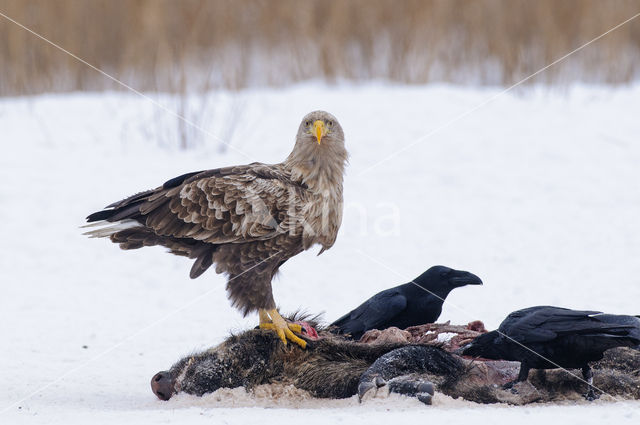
x: 414, y: 303
x: 546, y: 337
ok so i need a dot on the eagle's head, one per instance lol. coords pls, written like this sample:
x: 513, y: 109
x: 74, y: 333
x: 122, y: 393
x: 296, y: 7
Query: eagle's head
x: 319, y: 155
x: 320, y: 128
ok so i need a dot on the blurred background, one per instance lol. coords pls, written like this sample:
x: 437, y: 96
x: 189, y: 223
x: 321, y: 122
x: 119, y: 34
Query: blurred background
x: 195, y: 45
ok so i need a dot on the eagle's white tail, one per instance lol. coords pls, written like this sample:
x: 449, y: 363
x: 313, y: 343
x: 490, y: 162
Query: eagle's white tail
x: 106, y: 228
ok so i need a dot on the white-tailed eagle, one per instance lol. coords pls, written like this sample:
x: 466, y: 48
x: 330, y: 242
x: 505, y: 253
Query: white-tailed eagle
x: 247, y: 220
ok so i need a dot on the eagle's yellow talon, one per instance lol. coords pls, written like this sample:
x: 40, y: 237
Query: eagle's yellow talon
x: 294, y: 327
x: 282, y: 336
x: 267, y: 326
x: 273, y: 321
x: 302, y: 343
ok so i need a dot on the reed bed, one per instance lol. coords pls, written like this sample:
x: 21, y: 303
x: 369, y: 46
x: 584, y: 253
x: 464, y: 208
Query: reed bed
x: 195, y: 45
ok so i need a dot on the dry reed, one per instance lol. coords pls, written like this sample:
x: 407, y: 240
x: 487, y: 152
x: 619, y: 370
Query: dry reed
x: 193, y: 45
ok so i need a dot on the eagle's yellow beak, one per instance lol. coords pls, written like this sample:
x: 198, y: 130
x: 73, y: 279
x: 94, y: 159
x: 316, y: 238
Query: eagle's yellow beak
x: 319, y: 130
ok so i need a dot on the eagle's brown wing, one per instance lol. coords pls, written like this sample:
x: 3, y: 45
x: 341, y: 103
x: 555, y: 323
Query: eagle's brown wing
x: 193, y: 213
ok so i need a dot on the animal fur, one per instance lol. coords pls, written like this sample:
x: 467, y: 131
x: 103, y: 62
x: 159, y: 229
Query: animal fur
x: 335, y: 367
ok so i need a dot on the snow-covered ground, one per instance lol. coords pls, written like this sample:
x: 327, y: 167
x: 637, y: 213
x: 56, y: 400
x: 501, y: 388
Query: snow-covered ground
x: 536, y: 192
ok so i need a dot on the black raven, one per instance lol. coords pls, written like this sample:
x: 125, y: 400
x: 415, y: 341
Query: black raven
x: 414, y: 303
x: 546, y: 337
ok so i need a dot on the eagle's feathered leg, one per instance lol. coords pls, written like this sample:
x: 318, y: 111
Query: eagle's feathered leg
x: 271, y: 319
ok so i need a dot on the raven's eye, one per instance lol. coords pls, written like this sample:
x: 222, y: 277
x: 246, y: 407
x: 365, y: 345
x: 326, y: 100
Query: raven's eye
x: 307, y: 123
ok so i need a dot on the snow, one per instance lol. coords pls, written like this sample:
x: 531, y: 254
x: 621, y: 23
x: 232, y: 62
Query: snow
x: 537, y: 192
x: 445, y: 336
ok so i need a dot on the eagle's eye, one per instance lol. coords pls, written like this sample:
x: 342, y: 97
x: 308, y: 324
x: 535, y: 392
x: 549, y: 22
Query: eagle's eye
x: 329, y: 123
x: 307, y: 123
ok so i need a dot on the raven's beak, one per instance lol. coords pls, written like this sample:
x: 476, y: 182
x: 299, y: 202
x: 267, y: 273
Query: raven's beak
x: 319, y: 130
x: 465, y: 278
x: 460, y: 351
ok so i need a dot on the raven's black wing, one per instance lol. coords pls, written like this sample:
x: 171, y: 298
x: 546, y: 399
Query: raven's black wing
x: 374, y: 313
x: 630, y: 325
x: 545, y: 323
